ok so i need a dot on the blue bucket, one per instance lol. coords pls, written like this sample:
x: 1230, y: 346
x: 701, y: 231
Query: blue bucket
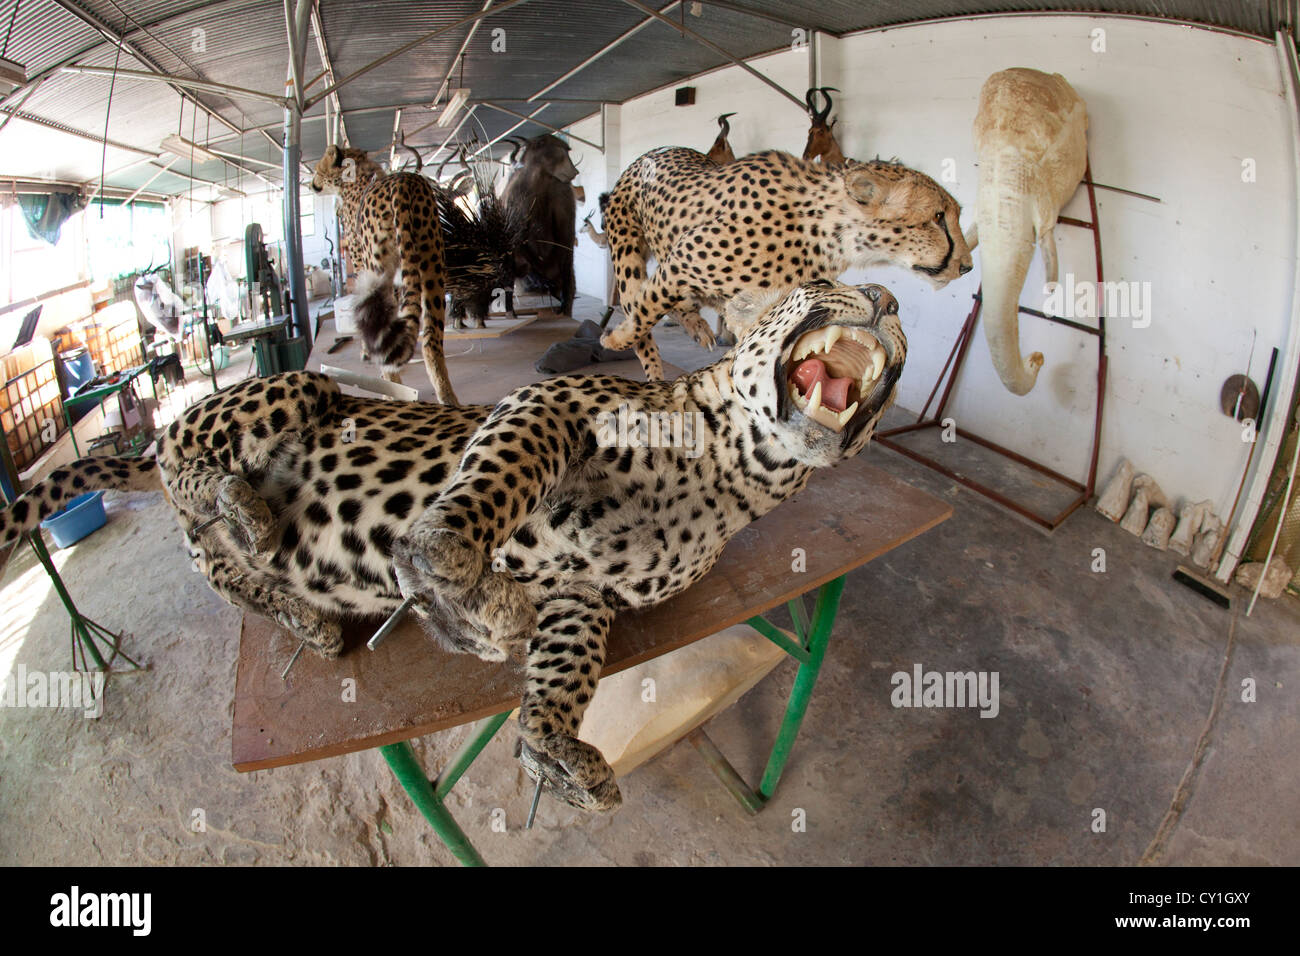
x: 82, y: 515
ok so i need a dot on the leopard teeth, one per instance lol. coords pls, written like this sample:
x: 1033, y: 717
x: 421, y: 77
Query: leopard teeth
x: 847, y: 414
x: 833, y: 335
x: 815, y: 399
x: 878, y: 362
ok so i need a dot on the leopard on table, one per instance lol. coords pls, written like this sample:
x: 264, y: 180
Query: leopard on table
x: 519, y: 529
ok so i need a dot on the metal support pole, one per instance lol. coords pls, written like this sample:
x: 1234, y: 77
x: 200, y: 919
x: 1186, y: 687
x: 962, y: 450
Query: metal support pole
x: 300, y: 320
x: 401, y: 760
x: 828, y: 603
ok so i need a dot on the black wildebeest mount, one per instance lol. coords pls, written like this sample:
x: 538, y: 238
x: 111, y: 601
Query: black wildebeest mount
x: 540, y: 195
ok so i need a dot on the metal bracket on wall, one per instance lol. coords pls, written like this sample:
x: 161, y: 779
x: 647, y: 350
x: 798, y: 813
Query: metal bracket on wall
x: 1083, y: 491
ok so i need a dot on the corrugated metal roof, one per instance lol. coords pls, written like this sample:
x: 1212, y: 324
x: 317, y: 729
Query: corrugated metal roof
x: 242, y: 43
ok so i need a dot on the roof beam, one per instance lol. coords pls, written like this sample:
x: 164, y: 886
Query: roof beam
x: 464, y: 45
x: 553, y: 129
x: 764, y: 15
x: 119, y: 40
x: 405, y: 47
x: 50, y: 124
x: 705, y: 41
x: 492, y: 142
x: 323, y: 50
x: 183, y: 81
x: 626, y: 34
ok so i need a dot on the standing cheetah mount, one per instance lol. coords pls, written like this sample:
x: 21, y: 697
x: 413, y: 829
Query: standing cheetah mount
x: 518, y: 530
x: 766, y: 221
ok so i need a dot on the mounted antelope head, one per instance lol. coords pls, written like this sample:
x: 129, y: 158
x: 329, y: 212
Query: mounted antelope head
x: 720, y: 152
x: 821, y: 140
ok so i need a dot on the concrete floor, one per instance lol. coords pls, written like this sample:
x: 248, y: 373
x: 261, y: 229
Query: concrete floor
x: 1108, y: 682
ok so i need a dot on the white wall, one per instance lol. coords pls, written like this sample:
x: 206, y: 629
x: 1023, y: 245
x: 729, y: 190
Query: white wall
x: 1174, y: 110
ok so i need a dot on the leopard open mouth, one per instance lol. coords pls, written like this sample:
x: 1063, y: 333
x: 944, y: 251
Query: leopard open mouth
x: 832, y: 371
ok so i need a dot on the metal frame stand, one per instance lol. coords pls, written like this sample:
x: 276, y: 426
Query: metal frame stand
x: 1083, y: 491
x: 809, y: 649
x: 85, y: 634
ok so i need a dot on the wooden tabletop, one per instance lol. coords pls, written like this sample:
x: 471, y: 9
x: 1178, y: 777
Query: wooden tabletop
x: 409, y: 687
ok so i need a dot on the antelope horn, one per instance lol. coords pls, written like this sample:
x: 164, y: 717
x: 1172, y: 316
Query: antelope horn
x: 724, y: 125
x: 826, y: 92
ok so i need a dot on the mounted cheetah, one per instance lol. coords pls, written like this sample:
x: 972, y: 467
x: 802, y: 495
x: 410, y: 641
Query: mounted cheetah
x: 396, y: 225
x: 767, y: 221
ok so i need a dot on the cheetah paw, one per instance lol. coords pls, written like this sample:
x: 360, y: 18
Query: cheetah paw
x: 468, y: 606
x: 244, y: 508
x: 698, y: 329
x: 620, y: 339
x: 574, y: 771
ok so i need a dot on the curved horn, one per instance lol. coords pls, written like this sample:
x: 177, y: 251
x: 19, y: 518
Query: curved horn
x: 419, y: 161
x: 826, y: 92
x: 724, y: 125
x: 443, y: 165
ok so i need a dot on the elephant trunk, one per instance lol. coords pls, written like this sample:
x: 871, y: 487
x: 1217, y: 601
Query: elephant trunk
x: 1007, y: 240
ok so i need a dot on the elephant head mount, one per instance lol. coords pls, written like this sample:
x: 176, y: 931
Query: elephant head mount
x: 1030, y: 137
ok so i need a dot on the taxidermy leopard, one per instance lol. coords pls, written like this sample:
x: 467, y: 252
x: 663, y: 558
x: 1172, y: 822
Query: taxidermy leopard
x: 519, y: 529
x: 396, y: 226
x: 767, y: 221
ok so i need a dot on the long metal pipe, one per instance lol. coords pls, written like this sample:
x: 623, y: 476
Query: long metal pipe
x: 120, y: 40
x: 492, y: 142
x: 1274, y: 431
x: 296, y: 27
x: 553, y: 129
x: 626, y: 34
x: 464, y: 45
x: 206, y: 86
x: 322, y: 49
x: 405, y: 47
x: 131, y: 198
x: 705, y: 41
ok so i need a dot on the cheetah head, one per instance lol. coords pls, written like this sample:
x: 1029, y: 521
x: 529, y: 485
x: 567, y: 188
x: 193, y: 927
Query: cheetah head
x: 816, y: 369
x: 902, y: 217
x: 340, y: 166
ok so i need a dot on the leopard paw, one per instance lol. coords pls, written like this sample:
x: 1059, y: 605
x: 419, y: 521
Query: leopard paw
x: 306, y: 623
x: 574, y: 771
x: 468, y: 606
x: 244, y: 509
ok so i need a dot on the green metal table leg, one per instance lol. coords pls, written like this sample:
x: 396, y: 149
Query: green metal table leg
x: 401, y: 759
x: 467, y: 754
x: 828, y: 603
x: 817, y: 635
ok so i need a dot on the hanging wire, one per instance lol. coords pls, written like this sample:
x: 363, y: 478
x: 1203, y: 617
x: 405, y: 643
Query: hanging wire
x: 10, y: 31
x: 108, y: 111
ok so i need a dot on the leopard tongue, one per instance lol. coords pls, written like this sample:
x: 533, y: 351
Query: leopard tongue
x: 835, y: 391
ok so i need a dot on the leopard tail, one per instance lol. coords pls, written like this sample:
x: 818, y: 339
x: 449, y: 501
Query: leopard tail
x: 85, y: 474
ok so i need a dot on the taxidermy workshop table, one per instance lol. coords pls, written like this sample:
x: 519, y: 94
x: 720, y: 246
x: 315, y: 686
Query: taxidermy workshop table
x: 409, y: 687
